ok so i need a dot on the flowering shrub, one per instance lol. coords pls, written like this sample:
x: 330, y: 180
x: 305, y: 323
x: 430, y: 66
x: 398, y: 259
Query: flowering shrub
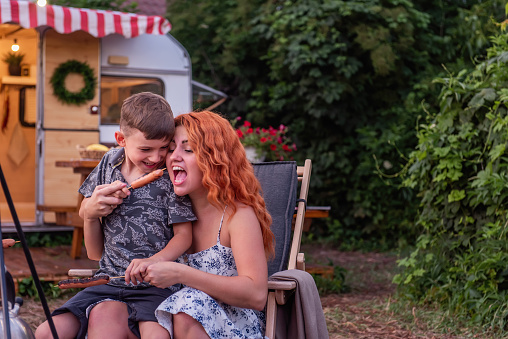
x: 273, y: 143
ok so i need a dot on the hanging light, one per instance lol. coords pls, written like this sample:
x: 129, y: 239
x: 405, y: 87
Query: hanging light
x: 41, y: 3
x: 15, y: 46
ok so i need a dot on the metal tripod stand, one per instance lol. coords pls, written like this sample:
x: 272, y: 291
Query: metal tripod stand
x: 3, y: 284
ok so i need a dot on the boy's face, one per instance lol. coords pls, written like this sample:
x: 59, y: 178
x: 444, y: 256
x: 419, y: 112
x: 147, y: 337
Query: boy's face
x: 141, y: 153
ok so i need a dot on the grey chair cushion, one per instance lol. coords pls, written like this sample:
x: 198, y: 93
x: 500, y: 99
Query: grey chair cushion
x: 279, y: 182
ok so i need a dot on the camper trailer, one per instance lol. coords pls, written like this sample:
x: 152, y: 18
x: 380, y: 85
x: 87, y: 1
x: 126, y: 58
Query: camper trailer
x: 54, y: 105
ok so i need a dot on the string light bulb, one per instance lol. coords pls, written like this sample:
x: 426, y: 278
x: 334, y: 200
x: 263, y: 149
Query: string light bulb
x: 41, y: 3
x: 15, y: 46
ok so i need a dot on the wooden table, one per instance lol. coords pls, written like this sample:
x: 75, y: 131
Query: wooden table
x: 313, y: 212
x: 68, y: 214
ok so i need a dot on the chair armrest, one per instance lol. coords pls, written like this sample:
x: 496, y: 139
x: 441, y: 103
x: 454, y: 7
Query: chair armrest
x: 83, y: 272
x: 281, y: 285
x: 300, y: 261
x: 282, y: 289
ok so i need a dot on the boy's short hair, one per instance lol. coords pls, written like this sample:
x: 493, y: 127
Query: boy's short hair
x: 149, y: 113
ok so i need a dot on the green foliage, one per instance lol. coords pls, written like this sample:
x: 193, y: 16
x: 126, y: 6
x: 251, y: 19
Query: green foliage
x: 44, y: 239
x: 459, y: 171
x: 26, y: 287
x: 58, y: 82
x: 349, y: 78
x: 321, y: 61
x: 115, y: 5
x: 333, y: 285
x: 48, y: 239
x: 13, y: 58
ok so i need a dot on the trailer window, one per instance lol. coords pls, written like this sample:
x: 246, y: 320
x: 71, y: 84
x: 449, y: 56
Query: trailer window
x: 115, y: 89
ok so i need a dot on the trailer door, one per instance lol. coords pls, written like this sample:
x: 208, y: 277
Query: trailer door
x: 64, y: 126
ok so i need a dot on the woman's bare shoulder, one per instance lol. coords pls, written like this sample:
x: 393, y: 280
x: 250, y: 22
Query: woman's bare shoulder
x: 244, y: 215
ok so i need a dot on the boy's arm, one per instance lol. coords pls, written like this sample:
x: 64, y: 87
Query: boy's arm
x: 94, y: 237
x: 102, y: 202
x: 179, y: 243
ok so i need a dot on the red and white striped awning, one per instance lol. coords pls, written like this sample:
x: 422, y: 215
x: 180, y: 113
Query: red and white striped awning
x: 64, y: 20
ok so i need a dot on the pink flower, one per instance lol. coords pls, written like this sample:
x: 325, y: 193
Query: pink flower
x: 271, y: 141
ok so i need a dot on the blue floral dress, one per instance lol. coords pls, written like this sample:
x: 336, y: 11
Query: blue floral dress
x: 219, y: 320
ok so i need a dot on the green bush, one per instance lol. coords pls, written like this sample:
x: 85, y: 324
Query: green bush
x: 27, y: 288
x: 459, y: 170
x: 334, y: 285
x: 349, y: 78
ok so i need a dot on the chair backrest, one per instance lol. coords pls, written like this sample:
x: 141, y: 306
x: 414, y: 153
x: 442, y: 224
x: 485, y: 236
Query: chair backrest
x: 279, y: 182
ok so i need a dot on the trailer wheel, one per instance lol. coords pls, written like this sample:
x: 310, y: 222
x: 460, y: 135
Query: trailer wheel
x: 58, y: 82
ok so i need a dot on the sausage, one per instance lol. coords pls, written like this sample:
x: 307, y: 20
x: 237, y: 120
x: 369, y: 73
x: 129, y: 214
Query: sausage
x: 146, y: 179
x: 84, y: 282
x: 6, y: 243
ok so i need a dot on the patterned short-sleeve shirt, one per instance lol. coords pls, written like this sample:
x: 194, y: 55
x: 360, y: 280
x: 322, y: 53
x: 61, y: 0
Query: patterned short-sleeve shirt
x: 142, y: 225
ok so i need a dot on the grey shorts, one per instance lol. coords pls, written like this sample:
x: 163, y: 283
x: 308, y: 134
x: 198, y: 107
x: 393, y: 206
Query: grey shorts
x: 141, y: 303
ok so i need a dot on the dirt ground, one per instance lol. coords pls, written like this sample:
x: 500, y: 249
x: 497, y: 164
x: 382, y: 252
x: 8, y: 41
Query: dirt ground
x: 360, y: 313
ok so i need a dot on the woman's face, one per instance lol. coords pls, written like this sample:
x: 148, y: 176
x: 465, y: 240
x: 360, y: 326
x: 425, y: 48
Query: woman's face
x: 182, y: 165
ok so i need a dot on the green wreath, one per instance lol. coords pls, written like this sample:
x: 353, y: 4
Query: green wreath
x: 58, y: 82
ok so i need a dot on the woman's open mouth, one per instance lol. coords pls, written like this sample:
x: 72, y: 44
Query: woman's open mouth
x: 179, y: 174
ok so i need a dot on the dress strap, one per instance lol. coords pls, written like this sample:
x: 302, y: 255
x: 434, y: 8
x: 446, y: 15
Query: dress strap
x: 220, y: 226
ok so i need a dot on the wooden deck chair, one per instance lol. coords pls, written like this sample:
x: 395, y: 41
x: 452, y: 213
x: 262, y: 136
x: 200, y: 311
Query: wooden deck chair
x: 279, y: 181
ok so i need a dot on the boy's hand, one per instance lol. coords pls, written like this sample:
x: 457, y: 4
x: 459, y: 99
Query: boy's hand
x: 137, y: 270
x: 105, y: 198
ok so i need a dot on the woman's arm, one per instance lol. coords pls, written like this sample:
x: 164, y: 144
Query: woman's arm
x: 249, y: 289
x: 179, y: 243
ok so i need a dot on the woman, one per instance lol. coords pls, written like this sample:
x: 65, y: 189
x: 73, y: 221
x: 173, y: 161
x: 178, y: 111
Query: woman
x: 224, y: 273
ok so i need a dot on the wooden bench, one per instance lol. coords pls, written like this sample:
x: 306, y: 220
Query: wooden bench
x: 68, y: 216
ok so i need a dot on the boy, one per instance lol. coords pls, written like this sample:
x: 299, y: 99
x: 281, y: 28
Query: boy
x: 128, y: 230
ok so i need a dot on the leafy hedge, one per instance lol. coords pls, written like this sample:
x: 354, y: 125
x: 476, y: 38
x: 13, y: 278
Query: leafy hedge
x: 460, y: 171
x: 349, y: 78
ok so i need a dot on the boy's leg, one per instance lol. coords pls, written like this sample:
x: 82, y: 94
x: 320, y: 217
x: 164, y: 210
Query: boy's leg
x: 66, y: 324
x: 142, y: 304
x: 109, y: 319
x: 152, y: 329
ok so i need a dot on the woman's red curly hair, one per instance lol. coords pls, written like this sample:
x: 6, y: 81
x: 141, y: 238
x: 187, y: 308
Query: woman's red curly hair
x: 227, y: 174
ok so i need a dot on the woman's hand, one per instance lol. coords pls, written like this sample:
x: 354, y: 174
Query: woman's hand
x: 164, y: 274
x: 104, y: 199
x: 136, y: 271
